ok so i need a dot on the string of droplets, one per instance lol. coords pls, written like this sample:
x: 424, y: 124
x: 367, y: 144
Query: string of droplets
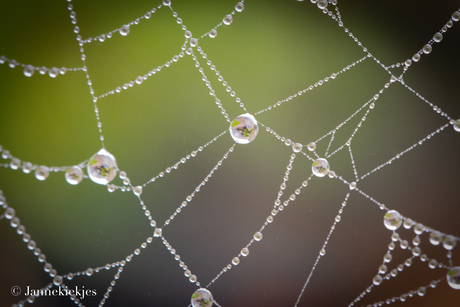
x: 29, y: 69
x: 258, y: 235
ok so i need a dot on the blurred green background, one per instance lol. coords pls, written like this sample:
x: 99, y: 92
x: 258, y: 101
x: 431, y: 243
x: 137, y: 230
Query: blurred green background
x: 272, y: 50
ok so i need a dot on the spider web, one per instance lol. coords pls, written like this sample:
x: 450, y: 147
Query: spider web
x: 303, y: 77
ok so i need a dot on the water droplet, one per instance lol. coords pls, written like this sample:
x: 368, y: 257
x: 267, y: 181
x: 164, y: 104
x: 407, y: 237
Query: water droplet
x: 239, y: 7
x: 418, y: 229
x: 453, y: 277
x: 137, y: 190
x: 74, y: 175
x: 102, y: 167
x: 311, y: 146
x: 192, y: 278
x: 193, y: 42
x: 456, y: 16
x: 53, y: 72
x: 244, y: 129
x: 167, y: 2
x: 213, y: 33
x: 322, y: 4
x: 158, y: 232
x: 258, y: 236
x: 392, y: 220
x: 57, y: 280
x: 377, y: 280
x: 457, y: 125
x: 245, y: 252
x: 15, y: 163
x: 437, y: 37
x: 228, y: 20
x: 10, y: 213
x: 421, y: 291
x: 383, y: 269
x: 416, y: 57
x: 432, y: 264
x: 435, y: 238
x: 42, y: 172
x: 408, y: 223
x: 320, y: 167
x: 297, y: 147
x: 427, y: 49
x: 124, y: 30
x: 202, y: 298
x: 352, y: 185
x: 188, y: 34
x: 29, y: 70
x: 102, y: 38
x: 89, y: 272
x: 449, y: 242
x: 236, y: 261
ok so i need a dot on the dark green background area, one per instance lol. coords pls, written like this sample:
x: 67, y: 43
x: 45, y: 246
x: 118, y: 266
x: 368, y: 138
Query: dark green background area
x: 272, y: 50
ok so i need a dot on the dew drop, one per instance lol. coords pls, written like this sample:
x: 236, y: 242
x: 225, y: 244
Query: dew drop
x: 258, y: 236
x: 392, y: 220
x: 42, y: 172
x: 102, y: 167
x: 437, y: 37
x: 244, y: 129
x: 449, y: 242
x: 427, y: 49
x: 320, y: 167
x: 124, y: 30
x: 202, y: 298
x: 322, y: 4
x: 297, y: 147
x: 239, y: 7
x: 74, y: 175
x: 453, y: 277
x: 457, y: 125
x: 213, y: 33
x: 29, y: 70
x: 53, y: 72
x: 228, y: 20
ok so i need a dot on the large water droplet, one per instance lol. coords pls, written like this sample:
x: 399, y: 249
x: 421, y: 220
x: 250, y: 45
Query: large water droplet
x: 392, y: 220
x: 457, y: 125
x: 202, y: 298
x: 102, y: 167
x: 244, y: 129
x: 320, y: 167
x: 453, y: 277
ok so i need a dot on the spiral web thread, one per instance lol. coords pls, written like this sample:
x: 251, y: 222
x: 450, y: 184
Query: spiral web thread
x: 191, y: 48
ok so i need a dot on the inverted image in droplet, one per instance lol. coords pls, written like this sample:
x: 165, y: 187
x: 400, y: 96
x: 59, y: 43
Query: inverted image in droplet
x: 102, y: 167
x: 202, y: 298
x: 244, y: 129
